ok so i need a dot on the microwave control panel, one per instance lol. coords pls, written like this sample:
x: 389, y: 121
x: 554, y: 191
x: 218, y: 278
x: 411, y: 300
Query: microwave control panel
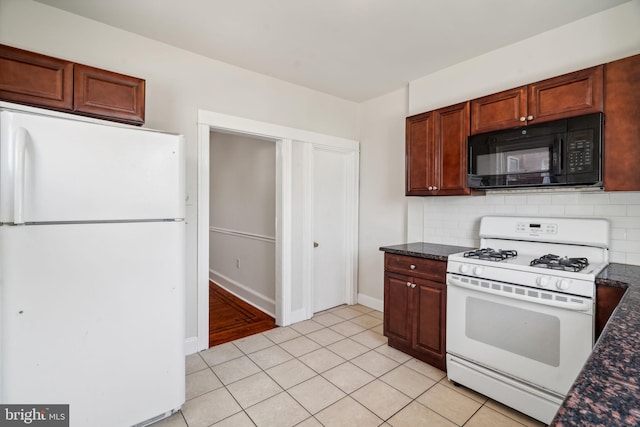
x: 580, y: 151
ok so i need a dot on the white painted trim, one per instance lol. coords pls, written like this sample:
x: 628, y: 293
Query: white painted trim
x: 202, y: 273
x: 370, y: 302
x: 298, y: 315
x: 352, y: 207
x: 243, y: 234
x: 284, y: 173
x: 191, y: 345
x: 307, y: 229
x: 244, y: 292
x: 272, y: 131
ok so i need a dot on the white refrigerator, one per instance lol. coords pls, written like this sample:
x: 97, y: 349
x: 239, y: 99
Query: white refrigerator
x: 92, y: 267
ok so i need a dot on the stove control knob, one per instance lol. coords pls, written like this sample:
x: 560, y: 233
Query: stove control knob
x: 478, y: 271
x: 463, y: 268
x: 542, y: 281
x: 562, y: 285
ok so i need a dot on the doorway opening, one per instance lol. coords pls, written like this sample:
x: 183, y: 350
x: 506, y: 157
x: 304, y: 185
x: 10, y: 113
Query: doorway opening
x: 294, y: 234
x: 242, y: 199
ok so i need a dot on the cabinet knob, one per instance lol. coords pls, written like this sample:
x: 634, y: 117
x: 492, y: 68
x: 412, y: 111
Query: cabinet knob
x: 413, y: 285
x: 408, y: 283
x: 435, y: 188
x: 529, y: 117
x: 523, y: 118
x: 430, y: 188
x: 413, y: 267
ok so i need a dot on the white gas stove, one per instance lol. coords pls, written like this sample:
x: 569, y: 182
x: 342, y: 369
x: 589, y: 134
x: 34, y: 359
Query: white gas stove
x: 520, y: 310
x: 556, y: 254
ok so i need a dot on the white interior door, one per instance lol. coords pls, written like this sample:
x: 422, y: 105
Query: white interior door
x: 329, y: 228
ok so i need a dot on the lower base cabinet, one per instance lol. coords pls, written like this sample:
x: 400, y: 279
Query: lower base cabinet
x: 607, y: 299
x: 415, y: 307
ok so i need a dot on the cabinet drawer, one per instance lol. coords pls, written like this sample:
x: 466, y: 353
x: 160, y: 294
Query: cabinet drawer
x: 417, y: 267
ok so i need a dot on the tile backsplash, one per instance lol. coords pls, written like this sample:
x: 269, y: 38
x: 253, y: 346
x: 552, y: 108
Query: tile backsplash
x: 455, y: 220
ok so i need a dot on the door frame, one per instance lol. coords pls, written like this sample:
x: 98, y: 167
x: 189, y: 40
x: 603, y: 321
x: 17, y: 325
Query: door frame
x: 290, y: 213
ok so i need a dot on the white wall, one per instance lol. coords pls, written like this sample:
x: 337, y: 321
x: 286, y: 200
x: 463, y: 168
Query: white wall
x: 596, y: 39
x: 382, y: 201
x: 178, y: 84
x: 242, y: 219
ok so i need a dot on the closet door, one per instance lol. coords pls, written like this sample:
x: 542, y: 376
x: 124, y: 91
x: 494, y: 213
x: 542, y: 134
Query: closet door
x: 329, y: 228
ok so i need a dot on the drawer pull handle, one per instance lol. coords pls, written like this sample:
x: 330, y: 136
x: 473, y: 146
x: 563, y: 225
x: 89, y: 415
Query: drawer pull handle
x: 413, y: 267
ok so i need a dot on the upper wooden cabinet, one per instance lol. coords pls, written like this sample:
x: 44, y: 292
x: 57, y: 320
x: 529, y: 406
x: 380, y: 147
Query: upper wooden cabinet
x: 564, y: 96
x: 35, y: 79
x: 43, y: 81
x: 107, y: 94
x: 622, y: 128
x: 436, y: 152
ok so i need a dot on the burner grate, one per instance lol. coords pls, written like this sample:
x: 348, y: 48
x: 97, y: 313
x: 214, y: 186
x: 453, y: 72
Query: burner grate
x: 559, y: 263
x: 491, y: 254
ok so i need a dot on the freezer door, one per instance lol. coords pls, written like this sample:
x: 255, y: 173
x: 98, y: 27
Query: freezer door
x: 93, y: 317
x: 62, y: 170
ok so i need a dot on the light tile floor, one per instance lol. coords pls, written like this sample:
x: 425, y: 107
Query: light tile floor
x: 333, y: 370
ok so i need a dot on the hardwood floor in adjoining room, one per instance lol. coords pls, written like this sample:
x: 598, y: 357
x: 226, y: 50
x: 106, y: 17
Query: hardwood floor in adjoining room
x: 230, y: 318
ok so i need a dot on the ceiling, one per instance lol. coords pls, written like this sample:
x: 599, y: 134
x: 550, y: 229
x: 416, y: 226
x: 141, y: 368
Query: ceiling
x: 353, y: 49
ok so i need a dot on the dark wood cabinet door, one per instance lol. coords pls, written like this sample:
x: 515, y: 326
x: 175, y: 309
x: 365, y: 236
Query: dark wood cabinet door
x: 429, y: 321
x: 501, y: 110
x: 397, y: 308
x: 436, y: 156
x: 607, y: 299
x: 622, y: 128
x: 419, y: 154
x: 564, y: 96
x: 451, y: 132
x: 104, y: 93
x: 34, y: 79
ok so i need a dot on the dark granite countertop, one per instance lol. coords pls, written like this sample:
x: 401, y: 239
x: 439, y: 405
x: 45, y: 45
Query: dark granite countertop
x: 424, y: 250
x: 607, y: 390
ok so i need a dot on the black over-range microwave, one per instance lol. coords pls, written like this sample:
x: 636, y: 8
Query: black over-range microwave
x: 561, y: 152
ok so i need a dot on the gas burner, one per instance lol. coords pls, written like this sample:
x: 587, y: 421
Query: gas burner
x: 558, y: 263
x: 491, y: 254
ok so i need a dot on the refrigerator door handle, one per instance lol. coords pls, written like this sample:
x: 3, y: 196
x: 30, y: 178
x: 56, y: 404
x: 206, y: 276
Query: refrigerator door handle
x: 19, y: 159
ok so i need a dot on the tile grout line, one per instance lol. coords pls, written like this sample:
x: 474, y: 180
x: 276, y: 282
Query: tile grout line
x: 367, y: 350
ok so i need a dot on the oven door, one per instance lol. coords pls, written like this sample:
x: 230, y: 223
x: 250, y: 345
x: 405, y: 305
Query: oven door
x: 535, y: 336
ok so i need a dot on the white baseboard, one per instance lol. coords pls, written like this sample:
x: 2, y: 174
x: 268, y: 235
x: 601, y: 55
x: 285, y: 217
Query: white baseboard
x: 370, y: 302
x: 191, y: 346
x: 245, y: 293
x: 297, y: 316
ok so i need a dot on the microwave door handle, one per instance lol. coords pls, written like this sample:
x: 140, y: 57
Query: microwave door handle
x: 560, y: 166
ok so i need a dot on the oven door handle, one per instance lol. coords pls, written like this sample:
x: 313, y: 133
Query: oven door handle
x: 534, y: 300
